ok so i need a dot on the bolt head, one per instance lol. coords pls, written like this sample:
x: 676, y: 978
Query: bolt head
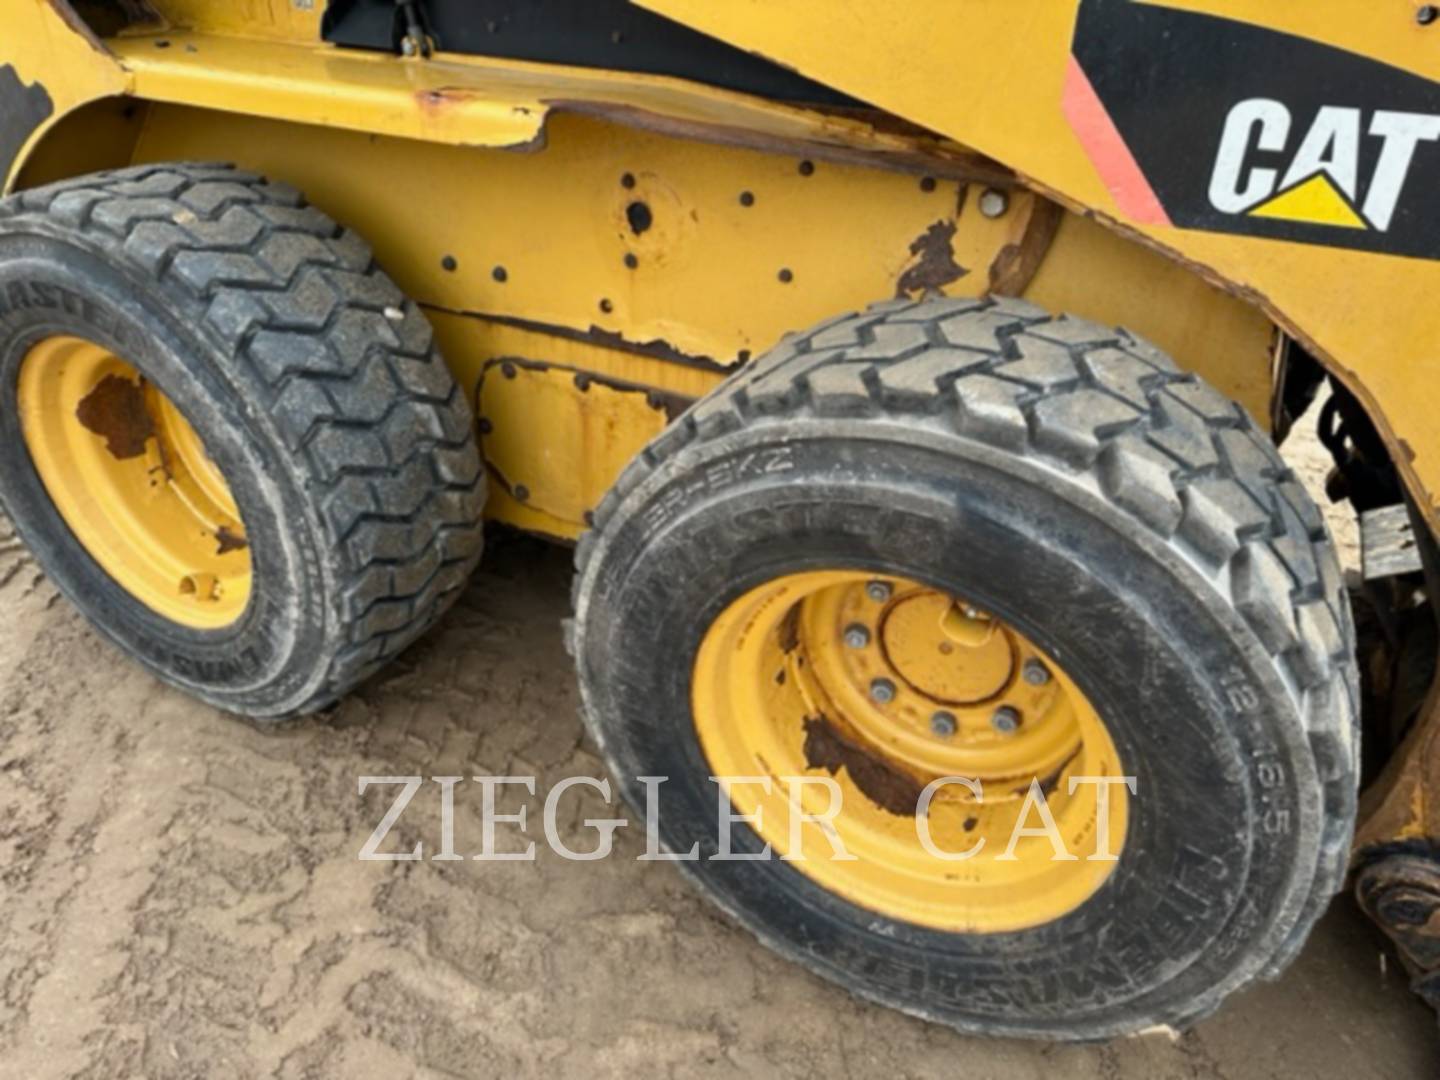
x: 857, y: 636
x: 994, y: 202
x: 882, y: 691
x: 1036, y: 673
x: 879, y: 591
x: 943, y: 724
x: 1005, y: 720
x: 408, y: 46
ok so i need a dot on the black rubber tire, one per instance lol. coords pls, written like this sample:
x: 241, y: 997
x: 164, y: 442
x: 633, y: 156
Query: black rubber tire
x: 1123, y: 515
x: 317, y: 389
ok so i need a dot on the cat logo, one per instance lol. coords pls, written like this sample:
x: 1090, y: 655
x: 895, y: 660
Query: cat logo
x: 1320, y: 184
x: 1196, y: 121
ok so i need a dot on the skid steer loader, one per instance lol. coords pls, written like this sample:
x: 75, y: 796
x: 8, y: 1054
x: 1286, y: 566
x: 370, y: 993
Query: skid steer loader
x: 908, y: 376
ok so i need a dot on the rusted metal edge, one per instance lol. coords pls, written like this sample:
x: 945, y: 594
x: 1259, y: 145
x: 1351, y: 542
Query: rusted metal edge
x: 435, y: 100
x: 595, y: 335
x: 1015, y: 265
x: 942, y: 165
x: 658, y: 398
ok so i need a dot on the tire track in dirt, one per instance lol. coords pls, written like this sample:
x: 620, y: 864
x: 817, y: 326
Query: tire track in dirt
x: 180, y: 896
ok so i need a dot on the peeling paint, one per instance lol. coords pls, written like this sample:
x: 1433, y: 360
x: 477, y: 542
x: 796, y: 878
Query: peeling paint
x: 1016, y: 264
x: 115, y: 410
x: 229, y: 541
x: 891, y: 789
x: 657, y: 349
x: 934, y: 266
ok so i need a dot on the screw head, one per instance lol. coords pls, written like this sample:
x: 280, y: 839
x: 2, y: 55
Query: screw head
x: 994, y: 202
x: 1035, y: 673
x: 857, y: 636
x: 943, y: 724
x: 882, y: 691
x: 879, y: 591
x: 1005, y: 720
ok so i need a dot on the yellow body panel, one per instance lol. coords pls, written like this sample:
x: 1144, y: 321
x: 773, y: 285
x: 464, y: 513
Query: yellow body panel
x: 466, y: 100
x: 990, y: 73
x: 523, y: 256
x: 551, y: 435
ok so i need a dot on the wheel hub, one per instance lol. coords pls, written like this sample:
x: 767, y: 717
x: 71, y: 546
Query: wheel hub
x: 134, y: 483
x: 887, y: 685
x: 945, y: 653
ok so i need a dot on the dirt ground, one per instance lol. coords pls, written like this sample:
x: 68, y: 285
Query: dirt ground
x: 180, y: 896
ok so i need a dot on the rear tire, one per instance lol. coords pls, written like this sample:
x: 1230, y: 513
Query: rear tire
x: 316, y: 389
x: 1122, y: 515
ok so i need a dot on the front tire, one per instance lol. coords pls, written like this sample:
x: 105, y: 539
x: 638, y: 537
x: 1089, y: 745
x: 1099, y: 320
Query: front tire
x: 1119, y: 519
x: 226, y: 435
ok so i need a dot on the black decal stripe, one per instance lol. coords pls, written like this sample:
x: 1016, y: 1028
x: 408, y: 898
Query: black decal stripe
x: 1169, y: 78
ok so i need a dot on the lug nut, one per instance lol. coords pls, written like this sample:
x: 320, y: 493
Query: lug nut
x: 994, y: 202
x: 1036, y: 673
x: 856, y: 636
x: 882, y: 691
x: 879, y: 591
x: 943, y: 724
x: 1006, y: 720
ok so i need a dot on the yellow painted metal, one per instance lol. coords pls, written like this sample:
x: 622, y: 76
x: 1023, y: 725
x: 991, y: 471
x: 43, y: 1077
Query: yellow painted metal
x: 296, y: 20
x: 260, y: 59
x: 134, y: 483
x: 467, y: 100
x: 1092, y: 271
x: 779, y: 692
x: 472, y: 344
x: 706, y: 290
x: 554, y: 437
x: 707, y: 276
x: 989, y: 74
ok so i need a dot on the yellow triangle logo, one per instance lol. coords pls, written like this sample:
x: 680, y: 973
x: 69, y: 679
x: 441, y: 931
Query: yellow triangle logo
x: 1316, y: 201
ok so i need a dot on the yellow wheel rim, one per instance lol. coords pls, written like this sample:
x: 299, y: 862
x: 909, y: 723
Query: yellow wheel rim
x: 133, y: 481
x: 887, y: 685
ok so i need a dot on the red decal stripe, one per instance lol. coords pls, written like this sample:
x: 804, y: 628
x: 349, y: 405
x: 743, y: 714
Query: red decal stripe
x: 1107, y: 150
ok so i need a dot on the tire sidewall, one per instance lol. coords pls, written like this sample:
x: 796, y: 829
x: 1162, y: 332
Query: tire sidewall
x: 1220, y: 854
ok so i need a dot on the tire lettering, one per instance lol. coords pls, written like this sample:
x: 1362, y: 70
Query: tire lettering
x: 1276, y: 822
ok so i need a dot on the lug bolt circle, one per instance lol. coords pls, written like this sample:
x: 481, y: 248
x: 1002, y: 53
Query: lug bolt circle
x: 943, y: 724
x: 1035, y: 673
x: 882, y: 691
x: 1005, y: 720
x: 879, y: 591
x: 857, y: 636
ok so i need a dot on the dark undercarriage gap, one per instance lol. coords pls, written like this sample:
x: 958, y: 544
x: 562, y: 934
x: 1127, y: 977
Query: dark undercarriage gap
x: 610, y: 34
